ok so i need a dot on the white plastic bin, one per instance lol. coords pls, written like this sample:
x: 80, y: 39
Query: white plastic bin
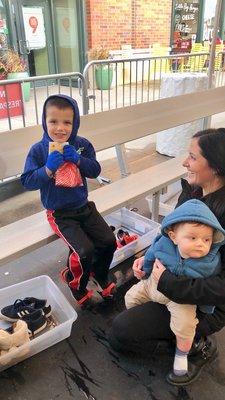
x: 131, y: 221
x: 44, y: 288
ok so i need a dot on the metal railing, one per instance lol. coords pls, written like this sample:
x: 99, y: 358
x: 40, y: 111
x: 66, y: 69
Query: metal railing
x: 71, y: 83
x: 124, y: 82
x: 121, y: 82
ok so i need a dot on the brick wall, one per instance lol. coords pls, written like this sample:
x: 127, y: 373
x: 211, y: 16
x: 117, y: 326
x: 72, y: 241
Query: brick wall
x: 139, y: 23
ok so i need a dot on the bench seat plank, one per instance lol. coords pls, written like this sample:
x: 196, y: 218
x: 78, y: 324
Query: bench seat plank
x: 32, y: 232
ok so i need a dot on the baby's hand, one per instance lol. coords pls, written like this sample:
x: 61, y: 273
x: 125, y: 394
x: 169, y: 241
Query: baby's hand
x: 137, y: 268
x: 157, y: 271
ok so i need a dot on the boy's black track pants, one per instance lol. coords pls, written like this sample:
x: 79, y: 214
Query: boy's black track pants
x: 90, y: 240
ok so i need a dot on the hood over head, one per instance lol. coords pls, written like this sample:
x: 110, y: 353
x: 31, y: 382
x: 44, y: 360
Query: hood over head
x: 197, y: 211
x: 76, y: 117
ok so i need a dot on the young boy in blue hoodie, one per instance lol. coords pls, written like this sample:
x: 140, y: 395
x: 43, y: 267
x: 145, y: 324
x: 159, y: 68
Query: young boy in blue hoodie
x: 189, y: 244
x: 72, y: 217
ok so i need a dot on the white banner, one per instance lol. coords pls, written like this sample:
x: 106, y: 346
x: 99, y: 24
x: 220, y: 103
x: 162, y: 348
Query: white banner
x: 34, y: 27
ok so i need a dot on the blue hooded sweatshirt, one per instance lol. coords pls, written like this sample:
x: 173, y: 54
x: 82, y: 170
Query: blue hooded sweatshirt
x: 35, y: 177
x: 167, y: 252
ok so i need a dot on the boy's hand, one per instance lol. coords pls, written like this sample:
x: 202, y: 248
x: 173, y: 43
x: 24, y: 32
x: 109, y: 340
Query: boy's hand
x: 54, y: 160
x: 70, y: 154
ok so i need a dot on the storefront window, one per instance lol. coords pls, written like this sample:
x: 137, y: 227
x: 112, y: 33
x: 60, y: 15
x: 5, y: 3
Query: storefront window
x: 3, y: 26
x: 66, y: 35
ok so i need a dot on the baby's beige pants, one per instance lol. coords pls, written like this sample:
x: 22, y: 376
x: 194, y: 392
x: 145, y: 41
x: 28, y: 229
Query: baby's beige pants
x: 183, y: 319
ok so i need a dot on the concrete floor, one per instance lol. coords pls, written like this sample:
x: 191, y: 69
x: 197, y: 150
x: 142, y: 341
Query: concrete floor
x: 83, y: 366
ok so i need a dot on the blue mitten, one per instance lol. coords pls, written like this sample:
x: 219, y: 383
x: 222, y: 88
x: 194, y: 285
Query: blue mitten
x: 70, y: 154
x: 54, y: 160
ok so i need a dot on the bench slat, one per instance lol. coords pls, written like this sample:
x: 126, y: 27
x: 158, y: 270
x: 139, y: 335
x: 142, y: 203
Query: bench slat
x: 33, y: 232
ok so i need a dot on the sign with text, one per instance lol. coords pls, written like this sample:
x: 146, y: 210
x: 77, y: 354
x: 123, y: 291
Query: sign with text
x: 11, y: 103
x: 34, y: 27
x: 186, y: 14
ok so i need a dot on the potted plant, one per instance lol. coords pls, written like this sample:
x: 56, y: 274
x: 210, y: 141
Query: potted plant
x: 16, y: 68
x: 103, y: 73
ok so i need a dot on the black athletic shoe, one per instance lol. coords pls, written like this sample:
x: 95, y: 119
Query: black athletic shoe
x: 206, y: 354
x: 21, y: 308
x: 38, y: 304
x: 36, y: 322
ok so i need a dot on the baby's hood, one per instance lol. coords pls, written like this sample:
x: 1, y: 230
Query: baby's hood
x: 76, y: 118
x: 194, y: 210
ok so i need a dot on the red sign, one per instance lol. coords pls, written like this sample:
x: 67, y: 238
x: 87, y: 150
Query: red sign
x: 11, y: 103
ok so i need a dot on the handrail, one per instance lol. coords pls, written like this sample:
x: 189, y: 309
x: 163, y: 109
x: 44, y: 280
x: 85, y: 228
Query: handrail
x: 42, y: 77
x: 46, y: 78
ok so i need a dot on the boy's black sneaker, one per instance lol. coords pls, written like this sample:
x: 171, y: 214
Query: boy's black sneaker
x: 22, y: 308
x: 36, y: 322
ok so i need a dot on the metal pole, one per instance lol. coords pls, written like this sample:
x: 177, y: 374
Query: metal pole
x: 207, y: 120
x: 121, y: 157
x: 213, y: 44
x: 155, y: 206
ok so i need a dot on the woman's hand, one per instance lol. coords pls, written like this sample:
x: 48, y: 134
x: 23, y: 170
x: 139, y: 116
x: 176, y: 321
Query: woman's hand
x: 157, y: 271
x: 137, y: 268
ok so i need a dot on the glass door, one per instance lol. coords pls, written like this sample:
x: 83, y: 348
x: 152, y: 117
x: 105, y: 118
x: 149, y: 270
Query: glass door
x: 34, y: 35
x: 66, y: 32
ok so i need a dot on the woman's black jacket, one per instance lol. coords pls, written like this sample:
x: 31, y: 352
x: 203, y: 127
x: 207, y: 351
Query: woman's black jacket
x: 211, y: 291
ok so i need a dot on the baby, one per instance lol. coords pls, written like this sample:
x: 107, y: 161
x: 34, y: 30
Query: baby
x: 189, y: 244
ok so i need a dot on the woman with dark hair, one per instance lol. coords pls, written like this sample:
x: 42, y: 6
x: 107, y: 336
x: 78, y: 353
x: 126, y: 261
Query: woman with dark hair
x: 144, y: 327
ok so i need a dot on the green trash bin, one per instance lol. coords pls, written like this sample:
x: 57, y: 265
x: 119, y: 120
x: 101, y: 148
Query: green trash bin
x: 103, y: 77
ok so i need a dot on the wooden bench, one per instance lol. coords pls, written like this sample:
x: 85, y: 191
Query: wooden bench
x: 105, y: 130
x: 33, y: 232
